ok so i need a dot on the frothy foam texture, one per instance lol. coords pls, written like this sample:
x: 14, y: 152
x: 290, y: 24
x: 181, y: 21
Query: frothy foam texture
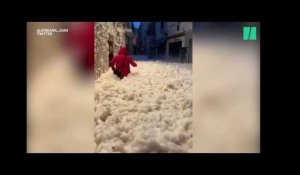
x: 150, y: 110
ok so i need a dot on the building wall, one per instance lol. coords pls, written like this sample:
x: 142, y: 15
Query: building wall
x: 189, y: 45
x: 129, y: 35
x: 104, y: 31
x: 180, y: 31
x: 144, y: 37
x: 169, y: 33
x: 139, y: 41
x: 160, y: 31
x: 183, y: 27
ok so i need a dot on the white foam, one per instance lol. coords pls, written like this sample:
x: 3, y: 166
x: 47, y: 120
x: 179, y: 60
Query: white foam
x: 148, y: 111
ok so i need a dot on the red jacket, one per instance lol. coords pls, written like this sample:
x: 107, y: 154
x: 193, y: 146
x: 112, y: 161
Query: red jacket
x: 122, y: 61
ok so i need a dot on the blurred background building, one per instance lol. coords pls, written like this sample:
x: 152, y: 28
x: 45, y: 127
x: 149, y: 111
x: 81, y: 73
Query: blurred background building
x: 129, y: 36
x: 166, y: 40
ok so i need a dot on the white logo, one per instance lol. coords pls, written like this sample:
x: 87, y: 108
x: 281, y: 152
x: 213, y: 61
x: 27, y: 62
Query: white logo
x: 50, y: 32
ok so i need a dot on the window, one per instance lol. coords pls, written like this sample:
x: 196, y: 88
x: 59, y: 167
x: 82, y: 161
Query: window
x: 178, y: 26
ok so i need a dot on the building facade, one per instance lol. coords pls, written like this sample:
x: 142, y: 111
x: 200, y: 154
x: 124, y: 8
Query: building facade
x: 169, y: 40
x: 179, y: 41
x: 109, y: 37
x: 129, y: 36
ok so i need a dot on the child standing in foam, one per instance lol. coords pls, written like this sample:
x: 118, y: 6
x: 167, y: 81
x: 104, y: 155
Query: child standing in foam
x: 120, y: 63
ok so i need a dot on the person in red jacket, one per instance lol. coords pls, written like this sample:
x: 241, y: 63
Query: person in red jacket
x: 121, y: 63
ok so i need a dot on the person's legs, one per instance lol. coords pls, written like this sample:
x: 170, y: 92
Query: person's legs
x: 118, y: 74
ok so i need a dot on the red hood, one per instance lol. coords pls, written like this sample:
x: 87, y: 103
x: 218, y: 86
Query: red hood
x: 123, y: 51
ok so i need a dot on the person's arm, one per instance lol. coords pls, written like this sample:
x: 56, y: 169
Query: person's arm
x: 132, y: 62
